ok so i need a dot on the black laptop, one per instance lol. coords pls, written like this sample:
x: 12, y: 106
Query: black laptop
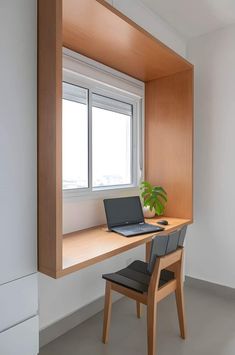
x: 125, y: 216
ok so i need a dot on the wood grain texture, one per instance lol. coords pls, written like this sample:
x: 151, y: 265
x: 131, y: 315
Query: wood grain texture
x: 87, y: 247
x: 151, y: 325
x: 147, y: 251
x: 98, y: 31
x: 139, y: 309
x: 137, y: 296
x: 169, y: 140
x: 49, y: 136
x: 107, y: 312
x: 179, y: 296
x: 166, y: 290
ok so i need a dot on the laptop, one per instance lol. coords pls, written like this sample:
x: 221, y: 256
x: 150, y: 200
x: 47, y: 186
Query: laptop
x: 125, y: 216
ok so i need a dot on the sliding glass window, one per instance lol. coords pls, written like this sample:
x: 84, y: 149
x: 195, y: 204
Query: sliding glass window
x: 75, y: 137
x: 99, y: 140
x: 111, y: 142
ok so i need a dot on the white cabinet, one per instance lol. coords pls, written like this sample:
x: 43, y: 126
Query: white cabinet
x: 18, y: 178
x: 18, y: 139
x: 18, y: 301
x: 21, y: 339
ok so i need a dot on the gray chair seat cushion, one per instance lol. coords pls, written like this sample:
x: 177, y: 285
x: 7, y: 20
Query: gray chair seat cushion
x: 136, y: 277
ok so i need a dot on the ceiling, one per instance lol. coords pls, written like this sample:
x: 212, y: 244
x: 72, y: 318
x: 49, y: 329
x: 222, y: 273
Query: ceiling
x: 193, y: 18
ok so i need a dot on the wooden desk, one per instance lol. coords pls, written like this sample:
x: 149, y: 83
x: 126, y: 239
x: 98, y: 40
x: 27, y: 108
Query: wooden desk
x: 89, y: 246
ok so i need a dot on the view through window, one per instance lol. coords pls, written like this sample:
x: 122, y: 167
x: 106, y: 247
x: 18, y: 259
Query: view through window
x: 111, y: 142
x: 97, y: 140
x: 75, y: 139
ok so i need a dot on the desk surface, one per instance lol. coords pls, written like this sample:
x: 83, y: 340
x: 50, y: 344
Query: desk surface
x: 89, y: 246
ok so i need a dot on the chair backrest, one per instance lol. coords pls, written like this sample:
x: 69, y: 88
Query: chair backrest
x: 165, y: 244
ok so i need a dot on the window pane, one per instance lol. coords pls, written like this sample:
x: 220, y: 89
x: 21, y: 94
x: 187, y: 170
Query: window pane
x: 111, y: 142
x: 75, y: 137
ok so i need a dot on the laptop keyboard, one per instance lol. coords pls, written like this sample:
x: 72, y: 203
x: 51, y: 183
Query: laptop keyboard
x: 135, y: 229
x: 138, y: 227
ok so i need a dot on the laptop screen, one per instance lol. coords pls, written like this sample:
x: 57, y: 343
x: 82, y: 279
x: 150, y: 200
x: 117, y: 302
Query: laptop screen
x: 123, y: 211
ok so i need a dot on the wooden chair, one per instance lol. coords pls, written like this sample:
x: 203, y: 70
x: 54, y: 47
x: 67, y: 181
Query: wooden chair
x: 148, y: 283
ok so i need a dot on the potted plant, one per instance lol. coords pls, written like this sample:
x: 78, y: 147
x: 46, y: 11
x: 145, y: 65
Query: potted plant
x: 154, y: 199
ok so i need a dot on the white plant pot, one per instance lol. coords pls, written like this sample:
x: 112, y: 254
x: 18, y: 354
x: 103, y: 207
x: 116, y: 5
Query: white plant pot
x: 148, y: 213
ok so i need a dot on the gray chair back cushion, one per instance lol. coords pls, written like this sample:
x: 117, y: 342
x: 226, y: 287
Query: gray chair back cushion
x: 165, y: 244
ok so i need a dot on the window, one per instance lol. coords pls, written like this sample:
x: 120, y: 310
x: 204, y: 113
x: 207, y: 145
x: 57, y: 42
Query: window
x: 75, y: 137
x: 111, y: 142
x: 101, y: 136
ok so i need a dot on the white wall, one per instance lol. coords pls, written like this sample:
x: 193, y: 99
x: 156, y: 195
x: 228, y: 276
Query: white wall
x: 64, y: 296
x: 211, y: 240
x: 59, y: 298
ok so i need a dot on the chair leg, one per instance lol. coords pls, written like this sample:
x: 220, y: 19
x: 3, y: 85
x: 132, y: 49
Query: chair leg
x: 151, y: 326
x: 138, y: 309
x: 107, y: 312
x: 179, y: 295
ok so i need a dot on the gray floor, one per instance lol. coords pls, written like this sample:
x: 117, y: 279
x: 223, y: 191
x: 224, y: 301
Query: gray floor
x: 210, y: 323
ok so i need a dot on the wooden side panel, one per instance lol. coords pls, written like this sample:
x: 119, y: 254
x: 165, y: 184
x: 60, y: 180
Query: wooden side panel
x: 169, y: 140
x: 99, y: 31
x: 50, y: 136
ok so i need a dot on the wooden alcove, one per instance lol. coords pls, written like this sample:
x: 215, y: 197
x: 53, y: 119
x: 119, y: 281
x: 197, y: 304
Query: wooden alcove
x: 98, y: 31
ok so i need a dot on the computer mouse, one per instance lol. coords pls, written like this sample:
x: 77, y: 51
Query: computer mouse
x: 163, y: 222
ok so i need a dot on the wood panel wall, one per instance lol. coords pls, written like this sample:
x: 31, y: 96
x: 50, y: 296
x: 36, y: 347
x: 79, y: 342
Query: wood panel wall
x: 99, y: 31
x: 49, y: 136
x: 169, y: 140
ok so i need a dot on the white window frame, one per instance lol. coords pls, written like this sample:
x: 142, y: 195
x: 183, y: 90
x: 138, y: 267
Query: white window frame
x: 102, y: 80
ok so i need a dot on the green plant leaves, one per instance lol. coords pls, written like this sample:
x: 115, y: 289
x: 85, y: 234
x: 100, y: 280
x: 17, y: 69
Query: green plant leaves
x: 146, y: 184
x: 153, y: 196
